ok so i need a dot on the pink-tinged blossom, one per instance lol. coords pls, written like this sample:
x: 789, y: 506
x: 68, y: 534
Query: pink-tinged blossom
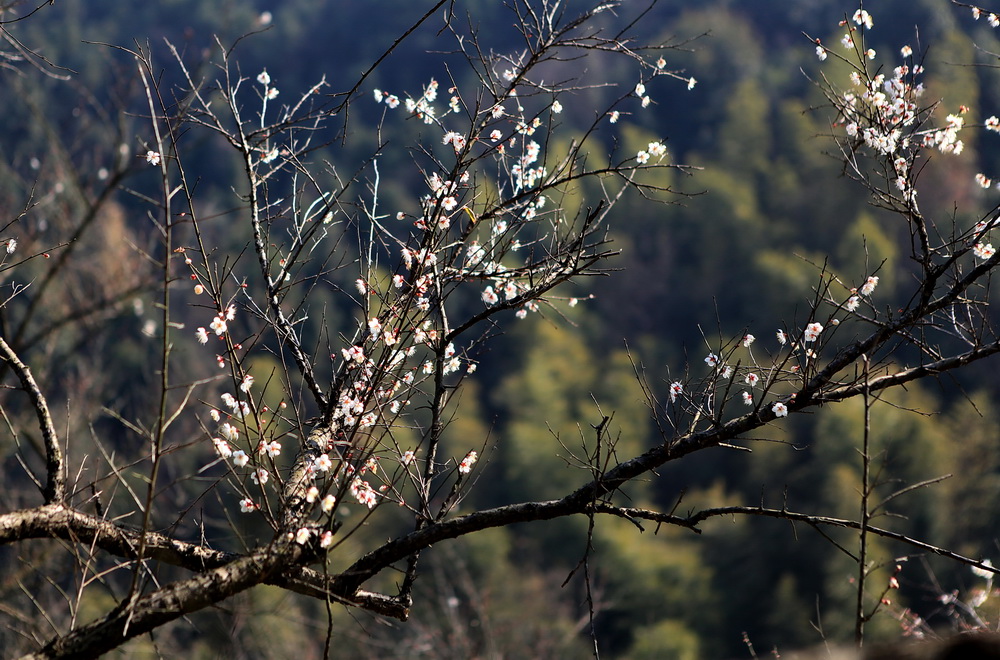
x: 456, y: 140
x: 247, y: 505
x: 229, y: 432
x: 465, y: 467
x: 354, y: 353
x: 326, y: 539
x: 782, y: 337
x: 984, y: 251
x: 906, y: 51
x: 994, y: 20
x: 779, y: 409
x: 364, y: 493
x: 222, y: 447
x: 992, y: 124
x: 202, y: 335
x: 983, y: 180
x: 676, y: 389
x: 747, y: 399
x: 727, y: 372
x: 869, y: 286
x: 153, y: 157
x: 751, y: 379
x: 862, y: 17
x: 812, y: 331
x: 240, y: 458
x: 747, y: 340
x: 273, y: 449
x: 408, y: 457
x: 247, y: 383
x: 613, y: 118
x: 302, y: 536
x: 323, y: 463
x: 260, y: 476
x: 821, y: 53
x: 218, y: 325
x: 712, y: 360
x: 327, y: 503
x: 852, y: 303
x: 489, y: 296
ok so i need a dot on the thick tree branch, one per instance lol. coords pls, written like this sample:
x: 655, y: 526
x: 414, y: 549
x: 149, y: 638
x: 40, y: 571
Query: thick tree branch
x: 55, y: 484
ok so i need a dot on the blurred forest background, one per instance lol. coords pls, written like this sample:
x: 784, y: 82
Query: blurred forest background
x: 768, y: 209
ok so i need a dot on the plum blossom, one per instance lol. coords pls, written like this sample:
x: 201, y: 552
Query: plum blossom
x: 984, y: 251
x: 222, y: 447
x: 751, y: 379
x: 229, y: 432
x: 779, y: 409
x: 240, y: 458
x: 862, y: 17
x: 812, y: 331
x: 676, y: 389
x: 247, y: 505
x: 466, y: 465
x: 869, y: 286
x: 218, y: 325
x: 852, y: 303
x: 712, y: 360
x: 747, y: 399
